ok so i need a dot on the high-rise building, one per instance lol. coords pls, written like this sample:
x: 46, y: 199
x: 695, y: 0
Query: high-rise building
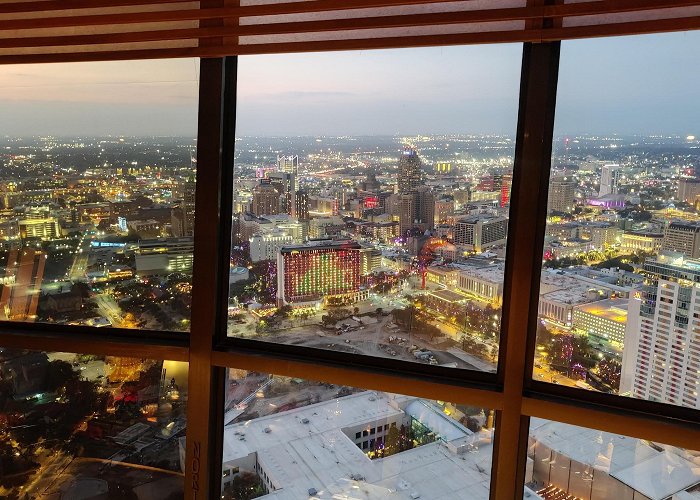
x: 479, y: 232
x: 444, y: 208
x: 265, y: 246
x: 688, y: 190
x: 410, y: 171
x: 661, y: 355
x: 609, y: 178
x: 289, y: 165
x: 684, y: 237
x: 561, y: 195
x: 406, y: 210
x: 286, y: 186
x: 187, y: 195
x: 301, y: 202
x: 320, y: 270
x: 505, y: 187
x: 266, y: 199
x: 371, y: 184
x: 425, y: 208
x: 21, y: 284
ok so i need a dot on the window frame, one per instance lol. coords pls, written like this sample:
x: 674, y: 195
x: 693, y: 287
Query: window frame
x: 511, y: 391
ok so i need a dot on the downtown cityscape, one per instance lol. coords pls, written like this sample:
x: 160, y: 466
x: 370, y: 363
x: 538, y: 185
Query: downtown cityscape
x: 351, y: 232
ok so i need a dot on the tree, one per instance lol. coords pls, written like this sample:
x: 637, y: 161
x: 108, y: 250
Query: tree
x: 609, y: 371
x: 391, y: 442
x: 58, y: 374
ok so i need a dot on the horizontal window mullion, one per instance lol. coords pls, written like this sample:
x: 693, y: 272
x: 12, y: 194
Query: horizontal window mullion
x: 461, y: 391
x: 88, y: 341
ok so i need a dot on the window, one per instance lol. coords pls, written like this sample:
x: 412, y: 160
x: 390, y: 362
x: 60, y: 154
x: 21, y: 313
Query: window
x: 229, y: 360
x: 371, y: 201
x: 73, y: 423
x: 621, y: 243
x: 300, y: 436
x: 97, y: 193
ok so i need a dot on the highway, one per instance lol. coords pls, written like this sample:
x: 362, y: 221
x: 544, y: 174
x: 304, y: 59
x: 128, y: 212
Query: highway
x: 109, y: 309
x: 77, y: 270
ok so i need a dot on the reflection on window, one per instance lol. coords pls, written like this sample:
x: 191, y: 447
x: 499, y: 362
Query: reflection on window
x: 353, y: 232
x: 292, y: 438
x: 566, y: 461
x: 85, y: 426
x: 618, y: 303
x: 97, y: 193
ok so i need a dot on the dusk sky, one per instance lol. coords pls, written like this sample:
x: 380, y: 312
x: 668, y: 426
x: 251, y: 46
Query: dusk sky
x: 644, y: 84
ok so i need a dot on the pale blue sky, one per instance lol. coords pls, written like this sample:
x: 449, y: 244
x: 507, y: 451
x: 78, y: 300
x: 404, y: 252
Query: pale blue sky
x: 642, y: 84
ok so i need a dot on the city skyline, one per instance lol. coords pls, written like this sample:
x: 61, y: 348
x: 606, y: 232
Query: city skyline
x: 429, y: 91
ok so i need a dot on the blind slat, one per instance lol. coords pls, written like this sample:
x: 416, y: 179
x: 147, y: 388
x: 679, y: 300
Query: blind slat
x: 313, y: 25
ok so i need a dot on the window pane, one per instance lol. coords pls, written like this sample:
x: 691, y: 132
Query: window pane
x: 97, y: 164
x: 87, y: 426
x: 584, y: 463
x: 371, y: 201
x: 619, y: 303
x: 291, y: 438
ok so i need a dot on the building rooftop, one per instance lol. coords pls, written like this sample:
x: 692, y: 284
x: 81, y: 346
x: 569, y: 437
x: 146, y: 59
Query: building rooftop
x: 610, y: 309
x: 656, y: 473
x: 306, y: 448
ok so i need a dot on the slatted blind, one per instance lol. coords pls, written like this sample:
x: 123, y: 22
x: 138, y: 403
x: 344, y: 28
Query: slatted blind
x: 74, y: 30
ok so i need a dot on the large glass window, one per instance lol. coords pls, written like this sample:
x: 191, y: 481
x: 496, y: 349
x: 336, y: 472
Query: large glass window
x: 371, y: 201
x: 619, y: 307
x: 292, y: 438
x: 97, y: 164
x: 90, y: 426
x: 567, y: 461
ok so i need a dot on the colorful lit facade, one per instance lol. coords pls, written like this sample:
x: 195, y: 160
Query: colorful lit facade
x: 328, y: 271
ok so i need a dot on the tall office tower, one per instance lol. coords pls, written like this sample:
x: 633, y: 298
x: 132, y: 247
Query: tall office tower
x: 285, y: 184
x: 688, y: 190
x: 477, y: 233
x: 301, y: 203
x: 661, y: 355
x: 406, y: 209
x: 609, y: 178
x: 288, y: 165
x: 322, y: 270
x: 410, y: 172
x: 684, y: 237
x: 425, y: 208
x: 22, y: 283
x: 561, y: 195
x: 183, y: 211
x: 266, y: 199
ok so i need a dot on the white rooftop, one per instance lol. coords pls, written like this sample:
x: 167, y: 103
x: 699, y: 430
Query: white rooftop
x: 305, y: 448
x: 655, y: 474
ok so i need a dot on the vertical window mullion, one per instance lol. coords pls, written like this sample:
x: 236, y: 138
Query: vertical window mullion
x: 525, y: 241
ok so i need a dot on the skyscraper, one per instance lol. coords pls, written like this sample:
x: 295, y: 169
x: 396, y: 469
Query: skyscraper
x: 301, y: 203
x: 561, y: 195
x: 285, y: 183
x: 661, y: 352
x: 266, y: 199
x: 609, y: 177
x: 410, y: 171
x: 289, y: 165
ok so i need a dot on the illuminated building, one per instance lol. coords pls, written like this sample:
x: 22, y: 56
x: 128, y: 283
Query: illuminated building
x: 661, y: 358
x: 301, y: 203
x: 684, y: 237
x: 324, y: 227
x: 186, y: 205
x: 688, y: 190
x: 286, y: 186
x: 609, y: 179
x: 561, y: 195
x: 646, y: 242
x: 19, y: 299
x: 410, y: 172
x: 443, y: 167
x: 320, y: 270
x: 266, y: 199
x: 479, y: 232
x: 265, y: 246
x: 44, y: 229
x: 164, y: 256
x: 603, y: 320
x: 289, y: 165
x: 444, y: 208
